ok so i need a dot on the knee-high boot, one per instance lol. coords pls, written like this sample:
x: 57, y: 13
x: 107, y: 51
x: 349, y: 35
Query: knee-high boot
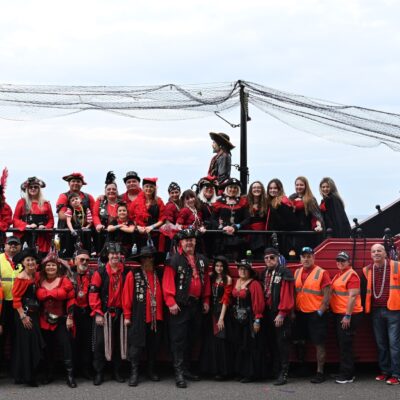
x: 134, y: 376
x: 178, y: 367
x: 70, y: 373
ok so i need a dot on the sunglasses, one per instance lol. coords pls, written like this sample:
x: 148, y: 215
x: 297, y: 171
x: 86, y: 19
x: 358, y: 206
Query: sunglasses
x: 340, y: 260
x: 307, y: 250
x: 269, y: 257
x: 83, y: 259
x: 34, y: 187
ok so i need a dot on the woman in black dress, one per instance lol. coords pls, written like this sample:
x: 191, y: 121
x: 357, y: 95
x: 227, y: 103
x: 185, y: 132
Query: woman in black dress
x: 216, y: 356
x: 29, y: 344
x: 332, y: 208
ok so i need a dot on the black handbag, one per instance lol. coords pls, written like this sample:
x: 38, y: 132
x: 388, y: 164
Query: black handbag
x: 241, y: 314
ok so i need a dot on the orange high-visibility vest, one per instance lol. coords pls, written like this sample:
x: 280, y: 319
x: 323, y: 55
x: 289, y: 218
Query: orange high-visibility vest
x: 393, y: 303
x: 340, y: 294
x: 309, y: 296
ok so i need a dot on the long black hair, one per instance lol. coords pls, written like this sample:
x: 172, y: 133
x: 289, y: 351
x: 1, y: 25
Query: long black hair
x: 225, y: 271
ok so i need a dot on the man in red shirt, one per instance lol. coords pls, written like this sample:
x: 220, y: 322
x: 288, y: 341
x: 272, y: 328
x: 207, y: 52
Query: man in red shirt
x: 278, y: 285
x: 132, y: 183
x: 187, y: 291
x: 105, y: 300
x: 75, y: 182
x: 312, y: 285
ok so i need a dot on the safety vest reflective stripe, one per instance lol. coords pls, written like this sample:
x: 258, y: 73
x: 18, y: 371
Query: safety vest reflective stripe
x: 341, y: 293
x: 309, y: 295
x: 7, y: 279
x: 316, y: 292
x: 394, y: 287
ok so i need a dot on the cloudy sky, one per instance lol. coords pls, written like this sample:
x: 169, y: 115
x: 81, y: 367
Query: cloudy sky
x: 346, y: 51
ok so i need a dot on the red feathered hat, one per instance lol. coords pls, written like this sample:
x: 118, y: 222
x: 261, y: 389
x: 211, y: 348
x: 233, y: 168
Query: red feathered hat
x: 75, y: 175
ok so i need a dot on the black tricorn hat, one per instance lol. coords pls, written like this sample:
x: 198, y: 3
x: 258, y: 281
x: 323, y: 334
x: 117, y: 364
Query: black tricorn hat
x: 28, y: 252
x: 131, y: 175
x: 247, y: 265
x: 149, y: 251
x: 187, y: 234
x: 230, y: 182
x: 222, y: 139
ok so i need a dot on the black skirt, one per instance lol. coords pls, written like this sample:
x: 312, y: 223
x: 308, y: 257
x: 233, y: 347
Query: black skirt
x: 28, y: 349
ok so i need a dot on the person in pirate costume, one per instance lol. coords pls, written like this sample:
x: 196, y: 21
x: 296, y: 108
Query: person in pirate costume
x: 79, y: 218
x: 132, y: 183
x: 248, y: 307
x: 105, y: 210
x: 33, y: 212
x: 217, y: 351
x: 172, y: 206
x: 29, y: 344
x: 56, y: 297
x: 142, y: 303
x: 5, y: 209
x: 75, y: 182
x: 231, y: 212
x: 278, y: 285
x: 105, y: 300
x: 83, y: 321
x: 220, y: 165
x: 186, y: 289
x: 147, y: 212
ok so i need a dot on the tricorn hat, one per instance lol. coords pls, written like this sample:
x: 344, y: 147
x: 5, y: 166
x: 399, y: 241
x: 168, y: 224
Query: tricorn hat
x: 231, y: 182
x: 33, y: 180
x: 247, y: 265
x: 186, y: 234
x: 222, y: 139
x: 75, y: 175
x: 149, y: 251
x: 28, y: 252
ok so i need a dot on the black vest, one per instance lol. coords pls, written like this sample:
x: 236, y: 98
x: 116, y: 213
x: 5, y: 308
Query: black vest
x: 62, y: 224
x: 105, y: 282
x: 281, y: 273
x: 183, y: 275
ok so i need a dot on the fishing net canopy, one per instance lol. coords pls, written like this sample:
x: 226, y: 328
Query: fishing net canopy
x: 336, y: 122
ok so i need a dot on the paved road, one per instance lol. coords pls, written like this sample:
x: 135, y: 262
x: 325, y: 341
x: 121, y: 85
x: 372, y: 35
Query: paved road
x: 298, y: 389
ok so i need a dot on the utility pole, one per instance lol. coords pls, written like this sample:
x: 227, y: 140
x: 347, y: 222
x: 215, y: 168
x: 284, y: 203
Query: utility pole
x: 244, y: 117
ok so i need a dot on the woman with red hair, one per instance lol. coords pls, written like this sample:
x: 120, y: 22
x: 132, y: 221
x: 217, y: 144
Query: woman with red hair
x: 147, y: 212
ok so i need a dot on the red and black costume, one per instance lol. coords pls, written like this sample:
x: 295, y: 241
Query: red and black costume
x: 171, y: 212
x: 126, y: 240
x: 126, y: 199
x: 189, y: 218
x: 335, y: 216
x: 5, y: 217
x: 28, y: 343
x: 39, y: 215
x: 235, y: 215
x: 186, y: 283
x: 144, y: 216
x: 83, y: 322
x: 142, y: 303
x: 250, y: 347
x: 105, y: 296
x: 55, y: 305
x: 278, y: 285
x: 103, y: 214
x: 67, y: 245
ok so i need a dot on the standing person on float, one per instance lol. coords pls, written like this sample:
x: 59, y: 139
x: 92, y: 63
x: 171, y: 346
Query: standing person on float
x: 307, y: 213
x: 105, y: 210
x: 216, y: 354
x: 220, y: 165
x: 142, y: 303
x: 105, y: 300
x: 332, y: 208
x: 147, y: 212
x: 382, y: 301
x: 232, y: 214
x: 34, y: 212
x: 121, y: 230
x: 57, y: 300
x: 278, y: 285
x: 312, y: 305
x: 257, y: 203
x: 132, y: 182
x: 186, y: 289
x: 83, y: 321
x: 280, y: 214
x: 206, y: 188
x: 347, y: 310
x: 248, y: 307
x: 8, y: 272
x: 5, y: 209
x: 28, y: 344
x: 75, y: 182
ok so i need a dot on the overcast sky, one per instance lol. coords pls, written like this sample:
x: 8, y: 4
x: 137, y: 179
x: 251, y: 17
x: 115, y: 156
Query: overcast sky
x: 341, y: 50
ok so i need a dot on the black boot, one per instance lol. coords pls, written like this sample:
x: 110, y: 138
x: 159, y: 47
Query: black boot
x: 70, y: 374
x: 133, y: 378
x: 151, y: 372
x: 98, y: 378
x: 117, y: 376
x: 282, y: 379
x: 178, y: 367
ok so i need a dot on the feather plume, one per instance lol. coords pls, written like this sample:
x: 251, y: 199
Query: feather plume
x: 110, y: 178
x: 3, y: 180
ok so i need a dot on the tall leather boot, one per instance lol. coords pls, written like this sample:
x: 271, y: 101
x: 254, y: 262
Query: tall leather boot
x: 151, y: 370
x: 70, y: 373
x: 178, y: 367
x: 134, y: 376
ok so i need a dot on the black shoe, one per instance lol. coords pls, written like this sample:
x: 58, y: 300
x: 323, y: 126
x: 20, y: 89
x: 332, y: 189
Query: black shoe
x: 344, y: 379
x: 219, y: 377
x: 71, y: 381
x: 33, y: 383
x: 191, y: 376
x: 246, y: 380
x: 282, y: 379
x: 118, y: 377
x: 180, y: 381
x: 98, y: 379
x: 153, y: 376
x: 319, y: 377
x: 133, y: 379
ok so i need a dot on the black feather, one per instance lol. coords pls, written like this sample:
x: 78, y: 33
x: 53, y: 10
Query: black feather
x: 110, y: 178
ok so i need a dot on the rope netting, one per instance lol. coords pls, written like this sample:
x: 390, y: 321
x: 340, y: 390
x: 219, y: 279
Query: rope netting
x: 337, y: 122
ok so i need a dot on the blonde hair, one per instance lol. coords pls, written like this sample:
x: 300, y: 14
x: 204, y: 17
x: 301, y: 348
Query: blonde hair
x: 308, y: 197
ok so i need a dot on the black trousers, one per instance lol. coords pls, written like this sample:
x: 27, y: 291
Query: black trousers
x: 185, y: 329
x: 99, y: 358
x: 345, y: 339
x: 153, y: 341
x: 83, y: 339
x: 278, y: 341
